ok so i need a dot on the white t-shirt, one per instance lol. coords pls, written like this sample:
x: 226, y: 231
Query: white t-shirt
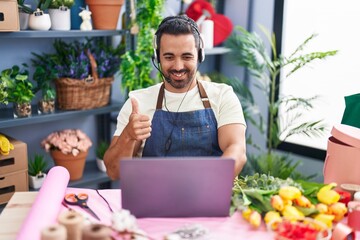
x: 223, y: 101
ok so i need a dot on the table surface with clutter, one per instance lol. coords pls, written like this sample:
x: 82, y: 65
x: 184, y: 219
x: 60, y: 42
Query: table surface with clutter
x: 44, y: 215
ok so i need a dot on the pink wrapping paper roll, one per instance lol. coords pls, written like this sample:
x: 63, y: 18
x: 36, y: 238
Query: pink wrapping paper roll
x: 47, y: 204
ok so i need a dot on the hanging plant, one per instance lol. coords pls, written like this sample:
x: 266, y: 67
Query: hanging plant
x: 136, y: 64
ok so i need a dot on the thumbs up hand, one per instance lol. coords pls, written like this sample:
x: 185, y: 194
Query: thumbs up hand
x: 139, y: 126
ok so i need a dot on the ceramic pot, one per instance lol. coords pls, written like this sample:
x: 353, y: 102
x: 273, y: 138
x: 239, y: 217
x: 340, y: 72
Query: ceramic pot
x: 105, y: 13
x: 60, y: 18
x: 36, y: 182
x: 100, y: 164
x: 39, y: 21
x: 74, y: 164
x: 22, y: 110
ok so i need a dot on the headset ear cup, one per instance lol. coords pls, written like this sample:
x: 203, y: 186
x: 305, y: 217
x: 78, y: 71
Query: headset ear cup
x: 201, y: 55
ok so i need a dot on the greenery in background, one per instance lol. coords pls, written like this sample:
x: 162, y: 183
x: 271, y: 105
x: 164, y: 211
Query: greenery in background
x: 101, y: 149
x: 18, y: 87
x: 43, y: 4
x: 277, y: 166
x: 136, y: 64
x: 71, y: 60
x: 3, y: 93
x: 37, y: 165
x: 59, y: 3
x: 248, y: 50
x: 23, y: 8
x: 43, y: 76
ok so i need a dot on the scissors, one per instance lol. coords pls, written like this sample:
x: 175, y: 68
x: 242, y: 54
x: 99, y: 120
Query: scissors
x: 81, y: 201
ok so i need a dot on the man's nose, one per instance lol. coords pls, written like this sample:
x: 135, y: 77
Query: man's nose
x: 179, y: 64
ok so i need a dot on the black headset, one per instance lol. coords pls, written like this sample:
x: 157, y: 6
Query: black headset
x: 185, y: 19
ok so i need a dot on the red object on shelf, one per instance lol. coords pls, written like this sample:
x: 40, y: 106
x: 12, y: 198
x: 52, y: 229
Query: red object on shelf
x: 222, y: 24
x: 345, y: 196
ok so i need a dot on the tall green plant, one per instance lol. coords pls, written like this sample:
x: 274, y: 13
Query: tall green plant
x: 136, y: 64
x: 248, y: 50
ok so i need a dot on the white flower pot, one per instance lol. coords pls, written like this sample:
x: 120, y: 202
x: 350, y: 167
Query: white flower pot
x: 36, y: 182
x: 39, y: 21
x: 101, y: 165
x: 60, y: 19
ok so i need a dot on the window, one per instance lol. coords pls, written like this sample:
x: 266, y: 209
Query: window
x: 337, y: 24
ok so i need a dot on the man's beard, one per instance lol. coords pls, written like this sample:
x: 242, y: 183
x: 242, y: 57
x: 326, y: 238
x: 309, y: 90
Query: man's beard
x: 180, y: 84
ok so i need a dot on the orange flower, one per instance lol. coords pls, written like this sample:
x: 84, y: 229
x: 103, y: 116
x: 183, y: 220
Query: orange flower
x: 302, y: 201
x: 325, y: 218
x: 246, y: 213
x: 292, y: 213
x: 338, y: 210
x: 277, y: 202
x: 255, y: 219
x: 273, y: 218
x: 322, y: 208
x: 327, y: 195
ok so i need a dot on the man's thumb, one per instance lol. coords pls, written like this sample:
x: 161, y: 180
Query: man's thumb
x: 135, y: 105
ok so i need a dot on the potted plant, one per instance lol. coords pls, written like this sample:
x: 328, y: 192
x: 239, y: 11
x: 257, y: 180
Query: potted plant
x: 60, y: 14
x: 19, y: 89
x: 68, y: 148
x: 39, y: 20
x: 3, y: 93
x: 36, y: 169
x: 87, y: 66
x: 105, y: 13
x: 44, y: 75
x: 24, y: 14
x: 248, y: 50
x: 100, y: 151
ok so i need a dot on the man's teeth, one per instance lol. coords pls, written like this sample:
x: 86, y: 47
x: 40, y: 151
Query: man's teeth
x: 179, y: 74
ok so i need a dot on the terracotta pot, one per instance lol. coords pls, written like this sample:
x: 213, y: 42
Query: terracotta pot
x: 105, y: 13
x: 74, y: 164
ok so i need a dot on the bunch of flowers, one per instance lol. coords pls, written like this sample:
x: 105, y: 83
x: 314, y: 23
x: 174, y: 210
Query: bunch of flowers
x: 68, y: 141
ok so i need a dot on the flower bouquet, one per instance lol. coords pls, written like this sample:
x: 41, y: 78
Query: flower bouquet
x: 68, y: 148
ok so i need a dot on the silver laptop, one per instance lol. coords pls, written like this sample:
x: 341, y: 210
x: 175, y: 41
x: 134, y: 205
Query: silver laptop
x: 177, y: 186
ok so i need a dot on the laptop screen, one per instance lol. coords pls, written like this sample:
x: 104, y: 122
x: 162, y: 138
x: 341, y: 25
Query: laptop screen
x: 177, y: 186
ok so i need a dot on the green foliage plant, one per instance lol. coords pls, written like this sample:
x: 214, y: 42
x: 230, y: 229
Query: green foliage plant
x: 101, y: 149
x: 248, y: 50
x: 43, y: 4
x: 37, y: 165
x: 23, y: 7
x: 17, y: 84
x: 136, y: 64
x: 3, y: 93
x: 58, y: 3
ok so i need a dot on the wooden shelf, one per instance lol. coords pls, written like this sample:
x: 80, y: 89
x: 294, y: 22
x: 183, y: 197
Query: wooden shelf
x: 61, y: 34
x: 7, y: 120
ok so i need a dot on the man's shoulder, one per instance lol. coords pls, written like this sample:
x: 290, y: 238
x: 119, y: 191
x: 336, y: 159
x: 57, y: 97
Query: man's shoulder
x: 214, y: 86
x: 149, y: 90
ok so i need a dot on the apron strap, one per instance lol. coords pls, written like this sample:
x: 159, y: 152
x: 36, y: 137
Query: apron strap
x: 203, y: 96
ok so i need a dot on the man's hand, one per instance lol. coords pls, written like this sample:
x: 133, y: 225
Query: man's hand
x: 139, y: 126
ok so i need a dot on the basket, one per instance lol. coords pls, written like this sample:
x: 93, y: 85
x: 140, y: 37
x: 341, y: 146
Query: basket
x: 88, y: 93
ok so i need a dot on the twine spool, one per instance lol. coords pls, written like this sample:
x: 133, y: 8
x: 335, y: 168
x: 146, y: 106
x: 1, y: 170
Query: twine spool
x: 54, y: 232
x: 96, y: 232
x: 73, y: 223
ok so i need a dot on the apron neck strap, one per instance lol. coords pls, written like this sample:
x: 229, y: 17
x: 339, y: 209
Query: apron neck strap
x: 203, y: 96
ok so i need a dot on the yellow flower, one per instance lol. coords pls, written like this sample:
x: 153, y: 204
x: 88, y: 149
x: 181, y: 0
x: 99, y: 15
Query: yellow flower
x: 302, y: 201
x: 273, y: 218
x: 246, y: 213
x: 327, y: 195
x: 277, y: 202
x: 255, y: 219
x: 292, y: 213
x: 325, y: 218
x: 322, y: 208
x: 339, y: 210
x: 289, y: 192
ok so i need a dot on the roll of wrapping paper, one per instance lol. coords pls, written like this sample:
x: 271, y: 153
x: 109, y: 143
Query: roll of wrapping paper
x: 47, y: 204
x: 54, y: 232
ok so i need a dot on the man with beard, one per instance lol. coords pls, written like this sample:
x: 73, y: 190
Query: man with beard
x: 181, y: 116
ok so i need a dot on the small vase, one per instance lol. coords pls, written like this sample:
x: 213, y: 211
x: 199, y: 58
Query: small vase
x: 74, y: 164
x: 22, y: 110
x: 39, y: 21
x: 60, y: 19
x: 46, y: 106
x: 36, y: 182
x: 24, y: 20
x: 100, y: 164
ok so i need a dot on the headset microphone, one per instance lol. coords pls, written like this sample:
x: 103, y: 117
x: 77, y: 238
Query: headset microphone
x: 163, y: 75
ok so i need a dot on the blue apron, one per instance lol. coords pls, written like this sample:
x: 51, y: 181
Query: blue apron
x: 183, y: 133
